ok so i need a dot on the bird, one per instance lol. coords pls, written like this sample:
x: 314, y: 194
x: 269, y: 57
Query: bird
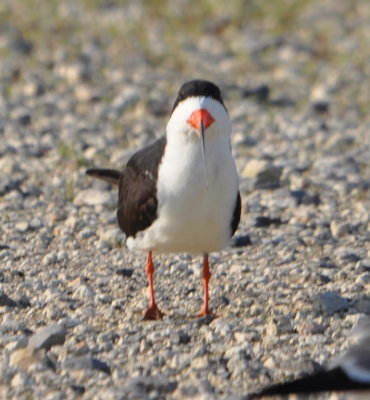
x: 181, y: 193
x: 349, y: 373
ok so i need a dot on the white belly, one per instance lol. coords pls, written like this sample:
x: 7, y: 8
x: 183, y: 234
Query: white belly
x: 192, y: 217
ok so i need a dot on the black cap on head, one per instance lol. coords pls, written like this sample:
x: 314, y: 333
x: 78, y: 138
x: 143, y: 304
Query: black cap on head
x: 198, y: 88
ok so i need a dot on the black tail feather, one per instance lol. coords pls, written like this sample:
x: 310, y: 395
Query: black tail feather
x: 324, y: 381
x: 108, y: 175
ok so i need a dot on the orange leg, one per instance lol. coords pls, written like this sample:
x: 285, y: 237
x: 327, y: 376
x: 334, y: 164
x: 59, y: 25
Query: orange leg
x: 206, y: 277
x: 153, y: 312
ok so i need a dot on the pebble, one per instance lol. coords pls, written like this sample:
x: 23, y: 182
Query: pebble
x: 332, y: 302
x: 296, y: 276
x: 241, y: 241
x: 50, y: 259
x: 363, y: 265
x: 47, y: 337
x: 86, y: 363
x: 36, y: 223
x: 22, y: 226
x: 153, y: 386
x: 364, y: 278
x: 310, y: 328
x: 23, y: 117
x: 26, y: 357
x: 339, y: 229
x: 279, y: 327
x: 261, y: 92
x: 266, y: 175
x: 363, y: 304
x: 34, y: 88
x: 84, y: 291
x: 5, y: 300
x: 127, y: 99
x: 86, y: 233
x: 92, y: 197
x: 20, y: 380
x: 86, y: 94
x: 74, y: 73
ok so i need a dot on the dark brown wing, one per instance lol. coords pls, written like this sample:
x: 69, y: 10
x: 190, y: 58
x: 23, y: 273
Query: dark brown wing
x: 137, y: 196
x: 322, y: 381
x: 236, y: 216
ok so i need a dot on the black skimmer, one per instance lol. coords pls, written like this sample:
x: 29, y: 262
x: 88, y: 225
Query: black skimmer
x: 350, y: 373
x: 181, y: 193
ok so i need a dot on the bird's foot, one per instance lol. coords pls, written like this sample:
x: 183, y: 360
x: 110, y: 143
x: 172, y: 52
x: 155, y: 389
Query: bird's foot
x: 206, y: 312
x: 153, y: 313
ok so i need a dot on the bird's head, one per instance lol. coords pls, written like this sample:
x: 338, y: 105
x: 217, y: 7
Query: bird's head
x: 199, y: 112
x: 199, y: 115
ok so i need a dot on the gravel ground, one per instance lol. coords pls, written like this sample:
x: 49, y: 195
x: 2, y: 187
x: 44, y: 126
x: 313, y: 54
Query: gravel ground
x: 86, y: 84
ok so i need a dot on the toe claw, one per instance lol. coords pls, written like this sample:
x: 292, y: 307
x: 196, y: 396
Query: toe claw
x: 153, y: 314
x: 206, y: 313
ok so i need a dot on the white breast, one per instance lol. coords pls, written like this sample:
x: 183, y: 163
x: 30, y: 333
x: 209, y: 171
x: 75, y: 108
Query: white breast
x: 192, y: 217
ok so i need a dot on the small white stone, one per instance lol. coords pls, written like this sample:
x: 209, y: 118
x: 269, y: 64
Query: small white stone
x: 72, y: 222
x: 92, y: 197
x: 36, y: 223
x: 265, y: 173
x: 364, y: 278
x: 105, y: 298
x: 50, y: 259
x: 22, y: 226
x: 199, y: 363
x: 363, y: 265
x: 339, y: 229
x: 84, y: 291
x: 20, y: 380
